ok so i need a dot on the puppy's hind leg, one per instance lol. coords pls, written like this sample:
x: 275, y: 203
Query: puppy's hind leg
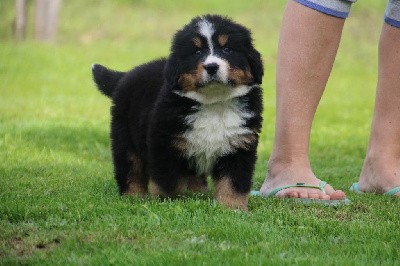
x: 129, y: 169
x: 137, y: 178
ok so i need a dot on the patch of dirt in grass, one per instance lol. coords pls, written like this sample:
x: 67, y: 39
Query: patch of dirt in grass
x: 344, y: 216
x: 361, y: 208
x: 49, y: 245
x: 18, y: 246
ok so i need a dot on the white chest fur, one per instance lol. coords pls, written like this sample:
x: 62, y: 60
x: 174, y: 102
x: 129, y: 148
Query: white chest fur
x: 216, y: 129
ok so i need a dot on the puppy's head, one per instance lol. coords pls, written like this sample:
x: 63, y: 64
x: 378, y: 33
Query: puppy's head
x: 212, y: 51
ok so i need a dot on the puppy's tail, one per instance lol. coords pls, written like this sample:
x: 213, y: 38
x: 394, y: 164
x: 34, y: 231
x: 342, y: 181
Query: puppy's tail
x: 106, y: 79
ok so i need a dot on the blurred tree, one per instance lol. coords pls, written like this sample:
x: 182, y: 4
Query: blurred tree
x: 20, y: 20
x: 46, y: 18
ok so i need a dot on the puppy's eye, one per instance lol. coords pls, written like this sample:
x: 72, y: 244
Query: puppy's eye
x: 227, y: 50
x: 198, y: 52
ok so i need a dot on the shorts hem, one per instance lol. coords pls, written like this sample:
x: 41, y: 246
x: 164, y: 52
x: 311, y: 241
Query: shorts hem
x: 392, y: 22
x: 323, y: 9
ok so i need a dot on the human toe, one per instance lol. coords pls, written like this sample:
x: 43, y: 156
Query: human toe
x: 304, y: 195
x: 292, y: 194
x: 337, y: 195
x: 313, y: 196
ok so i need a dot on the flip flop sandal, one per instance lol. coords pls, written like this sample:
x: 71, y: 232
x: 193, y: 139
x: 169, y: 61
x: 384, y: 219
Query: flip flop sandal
x: 391, y: 192
x: 301, y: 200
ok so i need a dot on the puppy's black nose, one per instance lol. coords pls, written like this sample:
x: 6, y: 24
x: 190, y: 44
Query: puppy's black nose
x: 211, y: 68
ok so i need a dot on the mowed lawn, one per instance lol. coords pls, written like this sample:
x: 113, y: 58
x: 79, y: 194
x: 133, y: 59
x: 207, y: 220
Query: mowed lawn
x: 59, y: 204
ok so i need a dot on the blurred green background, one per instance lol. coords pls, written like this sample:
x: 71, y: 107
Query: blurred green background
x: 124, y: 33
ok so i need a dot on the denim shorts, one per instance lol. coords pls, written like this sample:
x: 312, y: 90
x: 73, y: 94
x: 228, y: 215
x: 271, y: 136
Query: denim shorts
x: 341, y: 9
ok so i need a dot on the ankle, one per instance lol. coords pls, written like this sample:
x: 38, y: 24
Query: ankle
x: 383, y: 154
x: 380, y: 172
x: 277, y: 165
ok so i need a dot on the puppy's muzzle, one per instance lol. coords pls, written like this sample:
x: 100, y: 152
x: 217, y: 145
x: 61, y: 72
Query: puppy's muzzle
x: 211, y: 68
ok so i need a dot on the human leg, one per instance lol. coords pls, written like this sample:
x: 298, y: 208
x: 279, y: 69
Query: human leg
x: 308, y: 44
x: 381, y: 169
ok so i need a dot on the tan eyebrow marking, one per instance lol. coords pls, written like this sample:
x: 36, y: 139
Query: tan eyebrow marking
x: 223, y: 39
x: 197, y: 42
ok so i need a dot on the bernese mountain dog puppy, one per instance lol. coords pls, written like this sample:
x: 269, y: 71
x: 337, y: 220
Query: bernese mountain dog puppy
x: 175, y: 121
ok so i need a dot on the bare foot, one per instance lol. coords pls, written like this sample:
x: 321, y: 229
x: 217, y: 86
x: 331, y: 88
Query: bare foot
x: 295, y: 174
x: 379, y: 175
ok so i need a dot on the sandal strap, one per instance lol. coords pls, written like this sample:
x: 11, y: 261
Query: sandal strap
x: 320, y: 187
x: 393, y: 191
x: 355, y: 187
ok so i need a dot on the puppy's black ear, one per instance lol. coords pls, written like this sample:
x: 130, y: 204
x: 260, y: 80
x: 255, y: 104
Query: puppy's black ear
x: 256, y: 66
x: 171, y: 71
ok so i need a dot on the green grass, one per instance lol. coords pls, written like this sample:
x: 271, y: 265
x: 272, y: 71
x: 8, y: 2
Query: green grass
x: 59, y: 203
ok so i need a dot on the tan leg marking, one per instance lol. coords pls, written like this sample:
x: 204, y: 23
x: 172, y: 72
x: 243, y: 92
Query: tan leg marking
x: 226, y: 195
x: 155, y: 190
x: 137, y: 182
x: 136, y: 189
x: 197, y: 184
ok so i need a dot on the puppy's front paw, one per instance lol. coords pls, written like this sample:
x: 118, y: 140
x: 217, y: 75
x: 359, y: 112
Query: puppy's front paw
x: 234, y: 203
x: 136, y: 189
x: 227, y: 196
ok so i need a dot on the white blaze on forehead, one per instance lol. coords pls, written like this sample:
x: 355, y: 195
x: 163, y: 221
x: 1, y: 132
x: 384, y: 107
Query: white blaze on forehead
x: 207, y: 30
